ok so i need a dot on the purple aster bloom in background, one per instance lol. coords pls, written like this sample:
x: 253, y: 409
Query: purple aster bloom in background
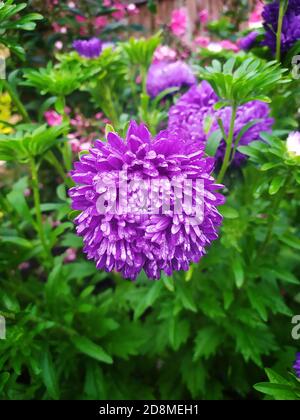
x: 297, y: 365
x: 290, y: 29
x: 164, y: 75
x: 194, y: 112
x: 132, y: 241
x: 90, y: 48
x: 255, y: 111
x: 247, y: 42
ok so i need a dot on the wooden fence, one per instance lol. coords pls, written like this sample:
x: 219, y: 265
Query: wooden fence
x: 152, y: 22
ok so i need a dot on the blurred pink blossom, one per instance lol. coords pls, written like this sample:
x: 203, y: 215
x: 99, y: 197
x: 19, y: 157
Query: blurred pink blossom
x: 70, y: 255
x: 164, y: 53
x: 99, y: 115
x: 202, y: 41
x: 132, y: 9
x: 52, y: 117
x: 24, y: 265
x: 27, y: 192
x: 256, y: 20
x: 59, y: 45
x: 203, y: 16
x: 120, y: 12
x: 226, y: 44
x: 106, y: 3
x: 80, y: 19
x: 85, y: 146
x: 179, y: 21
x: 100, y: 21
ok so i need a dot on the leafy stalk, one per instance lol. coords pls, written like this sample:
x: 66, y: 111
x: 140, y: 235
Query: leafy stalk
x: 281, y: 14
x: 15, y: 98
x: 229, y: 142
x: 37, y: 205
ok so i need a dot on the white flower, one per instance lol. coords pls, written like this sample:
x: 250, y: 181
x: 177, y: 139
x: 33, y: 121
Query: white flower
x: 215, y: 47
x: 293, y: 143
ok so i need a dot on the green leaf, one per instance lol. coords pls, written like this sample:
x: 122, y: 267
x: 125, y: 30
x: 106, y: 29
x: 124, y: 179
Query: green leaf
x: 278, y: 391
x: 276, y: 184
x: 88, y: 347
x: 213, y: 142
x: 238, y: 271
x: 49, y: 375
x: 168, y: 282
x: 207, y: 340
x: 229, y: 212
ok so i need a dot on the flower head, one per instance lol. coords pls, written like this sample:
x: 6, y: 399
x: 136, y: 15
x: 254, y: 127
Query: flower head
x: 246, y: 43
x: 290, y: 25
x: 146, y: 232
x: 52, y: 117
x: 293, y: 143
x: 255, y: 20
x: 164, y: 53
x: 297, y: 365
x: 226, y: 44
x: 90, y: 49
x: 166, y: 75
x: 203, y: 16
x: 179, y: 22
x: 194, y: 112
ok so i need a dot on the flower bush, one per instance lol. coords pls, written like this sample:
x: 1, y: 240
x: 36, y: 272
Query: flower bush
x: 149, y: 204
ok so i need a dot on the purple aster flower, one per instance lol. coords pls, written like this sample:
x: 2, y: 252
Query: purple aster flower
x: 149, y: 235
x: 290, y: 29
x: 247, y: 42
x: 164, y: 75
x: 297, y: 365
x: 255, y: 111
x: 194, y: 112
x: 90, y: 48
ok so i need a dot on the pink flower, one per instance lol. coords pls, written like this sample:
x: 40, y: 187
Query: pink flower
x: 106, y: 3
x: 179, y: 22
x: 120, y: 12
x: 99, y: 115
x: 24, y: 265
x: 256, y: 20
x: 85, y: 146
x: 53, y: 118
x: 75, y: 145
x: 70, y: 255
x: 59, y: 45
x: 132, y: 9
x: 202, y: 41
x: 229, y: 45
x: 164, y: 53
x: 203, y: 16
x: 100, y: 21
x: 80, y: 19
x: 27, y: 192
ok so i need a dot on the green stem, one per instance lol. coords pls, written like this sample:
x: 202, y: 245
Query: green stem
x: 15, y: 98
x: 37, y: 205
x: 144, y: 79
x: 52, y: 159
x: 279, y: 29
x: 274, y: 210
x: 229, y: 141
